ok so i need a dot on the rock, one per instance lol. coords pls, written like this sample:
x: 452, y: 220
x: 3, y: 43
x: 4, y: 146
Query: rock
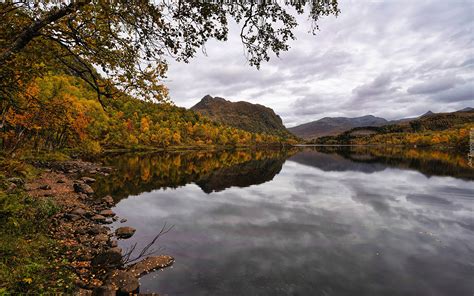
x: 72, y: 217
x: 88, y: 180
x: 101, y: 238
x: 83, y: 196
x: 107, y: 213
x: 81, y: 231
x: 106, y: 169
x: 123, y: 220
x: 79, y: 211
x: 106, y: 290
x: 96, y: 229
x: 45, y: 187
x: 123, y: 281
x: 80, y: 187
x: 114, y: 218
x: 85, y: 240
x: 150, y: 264
x: 60, y: 181
x: 86, y: 257
x: 108, y: 200
x: 98, y: 218
x: 113, y: 243
x: 124, y: 232
x: 17, y: 181
x: 110, y: 258
x: 116, y: 250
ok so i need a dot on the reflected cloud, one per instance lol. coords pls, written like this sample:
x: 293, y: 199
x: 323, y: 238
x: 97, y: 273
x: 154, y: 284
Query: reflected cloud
x: 363, y: 225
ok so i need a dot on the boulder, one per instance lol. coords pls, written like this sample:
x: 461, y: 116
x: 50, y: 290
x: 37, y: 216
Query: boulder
x: 150, y: 264
x: 107, y: 213
x: 122, y: 281
x: 101, y: 238
x: 80, y: 187
x: 108, y: 200
x: 106, y: 290
x: 96, y: 229
x: 123, y: 220
x: 125, y: 232
x: 88, y: 180
x: 110, y: 258
x: 72, y: 217
x: 98, y: 218
x: 79, y: 211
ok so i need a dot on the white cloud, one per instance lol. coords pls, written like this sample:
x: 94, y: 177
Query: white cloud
x: 387, y: 58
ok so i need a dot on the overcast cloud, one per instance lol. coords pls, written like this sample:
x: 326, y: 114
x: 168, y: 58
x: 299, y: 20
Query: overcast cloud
x: 388, y: 58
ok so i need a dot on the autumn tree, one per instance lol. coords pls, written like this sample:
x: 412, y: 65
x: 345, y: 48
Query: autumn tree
x: 124, y: 44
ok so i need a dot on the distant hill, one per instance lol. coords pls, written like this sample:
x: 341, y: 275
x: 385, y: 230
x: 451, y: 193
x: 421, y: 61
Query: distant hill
x: 329, y: 126
x: 430, y: 129
x: 242, y: 115
x: 332, y: 126
x: 467, y: 109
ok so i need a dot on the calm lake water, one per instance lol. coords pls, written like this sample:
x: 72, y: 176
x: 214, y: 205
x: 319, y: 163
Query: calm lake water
x: 313, y: 221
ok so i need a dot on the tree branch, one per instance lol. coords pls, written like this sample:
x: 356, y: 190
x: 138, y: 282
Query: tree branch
x: 33, y: 30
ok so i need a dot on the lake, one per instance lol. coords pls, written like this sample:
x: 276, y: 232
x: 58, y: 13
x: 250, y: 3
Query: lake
x: 301, y: 221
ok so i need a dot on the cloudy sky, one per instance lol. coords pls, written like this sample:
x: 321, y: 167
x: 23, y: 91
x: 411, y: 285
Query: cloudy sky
x: 388, y: 58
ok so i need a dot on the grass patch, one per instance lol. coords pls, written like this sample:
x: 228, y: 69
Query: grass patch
x: 46, y: 155
x: 30, y: 261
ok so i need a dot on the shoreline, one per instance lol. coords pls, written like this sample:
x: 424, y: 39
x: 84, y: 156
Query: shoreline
x: 81, y: 226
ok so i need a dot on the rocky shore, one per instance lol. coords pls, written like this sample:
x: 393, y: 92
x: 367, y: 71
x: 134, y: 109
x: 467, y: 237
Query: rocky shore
x: 81, y: 226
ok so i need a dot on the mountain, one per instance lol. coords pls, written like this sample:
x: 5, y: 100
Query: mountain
x: 242, y: 115
x: 467, y: 109
x: 331, y: 126
x: 449, y: 130
x: 328, y: 126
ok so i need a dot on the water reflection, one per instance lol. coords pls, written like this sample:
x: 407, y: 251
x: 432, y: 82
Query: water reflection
x: 212, y: 171
x: 325, y: 222
x: 372, y: 159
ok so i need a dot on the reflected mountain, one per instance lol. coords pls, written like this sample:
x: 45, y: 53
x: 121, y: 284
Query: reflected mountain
x: 242, y: 175
x: 210, y: 170
x: 334, y: 162
x: 215, y: 171
x: 373, y: 159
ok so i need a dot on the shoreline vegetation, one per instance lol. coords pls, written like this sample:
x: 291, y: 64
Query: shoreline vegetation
x: 55, y: 237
